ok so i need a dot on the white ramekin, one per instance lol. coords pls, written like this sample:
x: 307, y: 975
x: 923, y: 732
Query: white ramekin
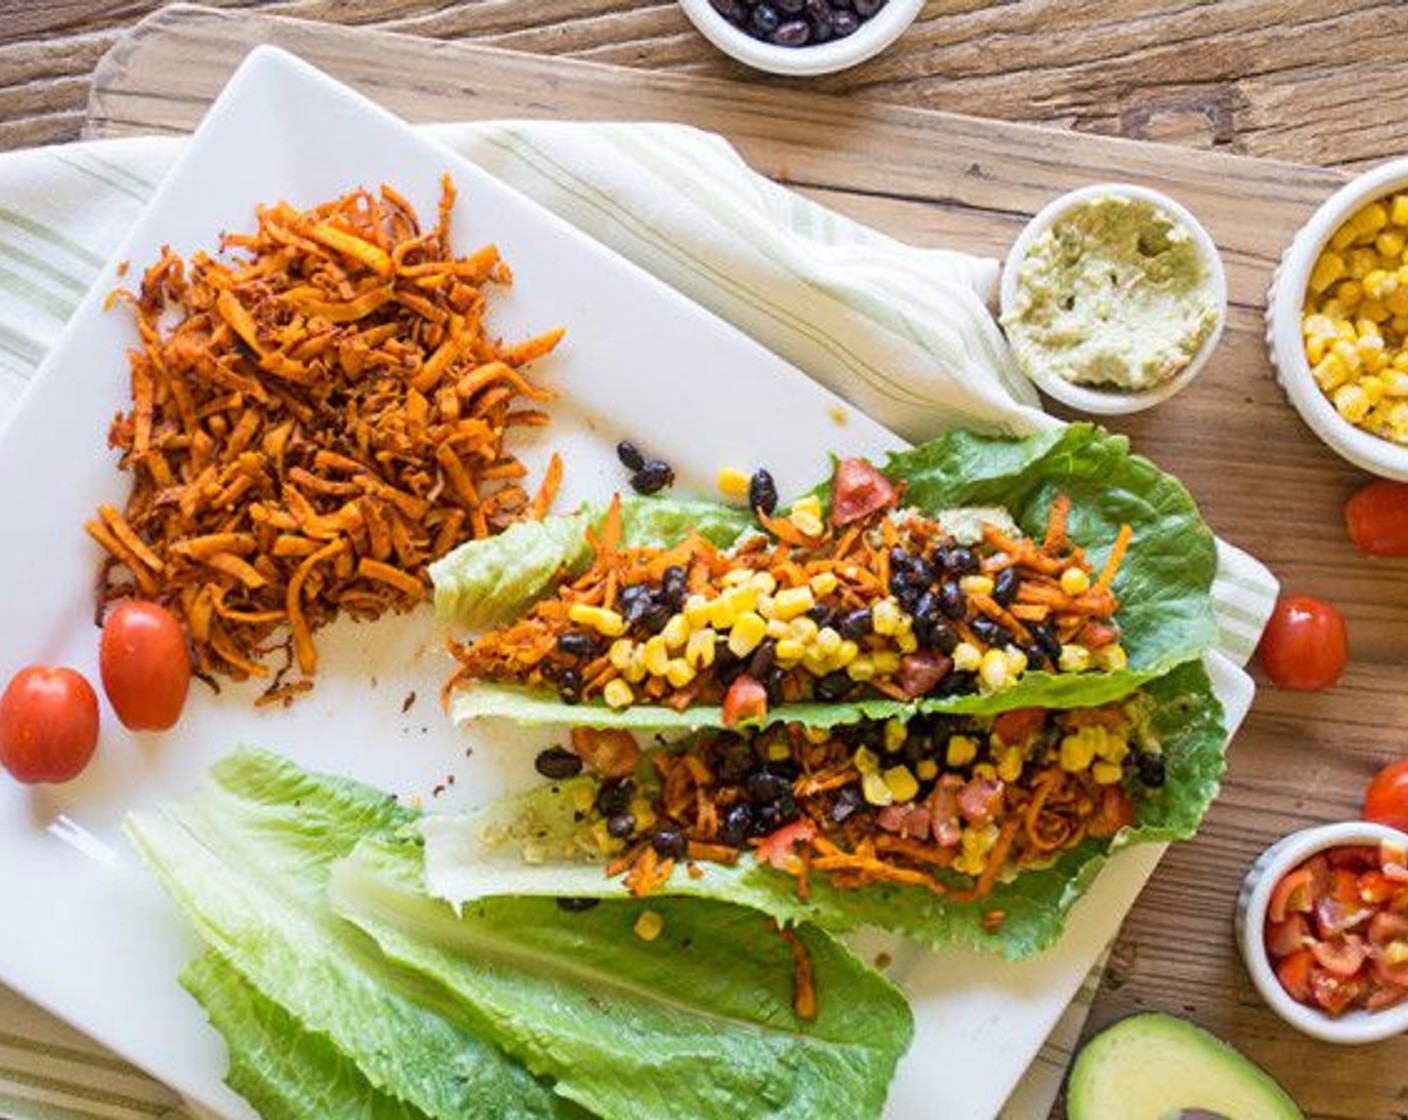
x: 1284, y: 303
x: 872, y: 37
x: 1117, y: 402
x: 1353, y: 1027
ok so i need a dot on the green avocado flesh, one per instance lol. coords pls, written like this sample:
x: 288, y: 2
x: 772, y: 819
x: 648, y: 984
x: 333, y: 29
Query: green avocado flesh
x: 1158, y: 1067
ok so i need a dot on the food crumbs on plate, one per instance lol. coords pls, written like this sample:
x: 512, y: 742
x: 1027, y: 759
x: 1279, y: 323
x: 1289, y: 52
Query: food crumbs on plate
x: 408, y: 702
x: 733, y: 483
x: 324, y: 417
x: 883, y: 961
x: 839, y: 416
x: 649, y: 925
x: 122, y: 267
x: 993, y: 919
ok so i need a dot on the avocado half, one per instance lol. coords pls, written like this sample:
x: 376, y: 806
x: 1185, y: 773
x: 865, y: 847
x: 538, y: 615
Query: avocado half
x: 1159, y: 1067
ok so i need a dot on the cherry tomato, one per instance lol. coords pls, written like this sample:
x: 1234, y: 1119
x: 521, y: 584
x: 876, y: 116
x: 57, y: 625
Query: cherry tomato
x: 1305, y: 645
x: 1386, y: 799
x: 1019, y: 724
x: 1294, y: 974
x: 745, y: 699
x: 1342, y: 957
x: 858, y: 490
x: 1377, y: 518
x: 779, y: 849
x: 1285, y: 938
x: 146, y: 667
x: 48, y: 724
x: 1292, y: 895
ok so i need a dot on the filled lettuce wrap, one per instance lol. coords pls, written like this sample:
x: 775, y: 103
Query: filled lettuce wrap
x: 947, y: 828
x: 969, y: 575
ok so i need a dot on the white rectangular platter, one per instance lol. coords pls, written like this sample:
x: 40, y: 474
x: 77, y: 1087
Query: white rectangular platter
x: 83, y: 930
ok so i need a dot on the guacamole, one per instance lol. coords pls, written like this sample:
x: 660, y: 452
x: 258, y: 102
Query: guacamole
x: 1114, y: 295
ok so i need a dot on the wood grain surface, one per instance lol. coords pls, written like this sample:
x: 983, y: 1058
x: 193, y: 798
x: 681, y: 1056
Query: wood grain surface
x: 1262, y: 479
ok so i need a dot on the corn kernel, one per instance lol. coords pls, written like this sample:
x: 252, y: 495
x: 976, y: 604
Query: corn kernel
x: 643, y: 813
x: 1112, y: 747
x: 810, y: 504
x: 828, y: 642
x: 620, y: 653
x: 1073, y: 659
x: 1349, y: 292
x: 815, y: 663
x: 792, y: 601
x: 649, y: 925
x: 808, y: 524
x: 679, y: 672
x: 846, y: 653
x: 733, y: 483
x: 993, y: 672
x: 926, y: 769
x: 907, y: 642
x: 1397, y: 305
x: 777, y: 629
x: 1328, y: 268
x: 1395, y: 383
x: 1389, y: 243
x: 824, y: 583
x: 895, y: 734
x: 1106, y: 773
x: 866, y: 761
x: 605, y: 622
x: 1334, y: 309
x: 1077, y: 750
x: 722, y: 612
x: 789, y: 651
x: 875, y: 789
x: 984, y: 770
x: 1348, y: 353
x: 764, y: 583
x: 1074, y: 581
x: 887, y: 661
x: 976, y: 585
x: 1009, y: 765
x: 747, y: 634
x: 966, y: 657
x: 699, y: 650
x: 1369, y: 220
x: 803, y: 630
x: 604, y: 841
x: 676, y: 631
x: 861, y: 668
x: 1330, y: 372
x: 1343, y: 237
x: 737, y: 576
x: 1375, y: 310
x: 1314, y: 349
x: 1378, y: 284
x: 657, y: 657
x: 885, y: 617
x: 618, y: 694
x: 1396, y: 951
x: 696, y: 610
x: 902, y: 783
x: 779, y: 750
x: 1361, y: 262
x: 1111, y: 658
x: 1398, y: 210
x: 742, y: 598
x: 1373, y: 389
x: 1351, y: 402
x: 961, y: 750
x: 635, y: 671
x: 1317, y: 326
x: 1016, y: 661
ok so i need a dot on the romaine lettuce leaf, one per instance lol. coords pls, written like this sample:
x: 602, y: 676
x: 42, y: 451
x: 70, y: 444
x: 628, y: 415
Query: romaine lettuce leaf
x: 479, y: 855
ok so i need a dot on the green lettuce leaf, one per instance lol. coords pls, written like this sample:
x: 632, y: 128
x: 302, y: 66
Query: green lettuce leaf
x: 696, y: 1023
x: 1164, y: 584
x: 479, y: 855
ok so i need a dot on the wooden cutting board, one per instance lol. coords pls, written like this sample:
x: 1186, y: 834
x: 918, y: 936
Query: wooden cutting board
x: 1262, y: 478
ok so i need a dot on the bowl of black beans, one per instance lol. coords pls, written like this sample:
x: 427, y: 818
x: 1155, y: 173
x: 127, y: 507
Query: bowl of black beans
x: 801, y: 36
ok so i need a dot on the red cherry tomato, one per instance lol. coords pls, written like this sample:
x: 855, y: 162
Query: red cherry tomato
x: 1377, y: 518
x: 1305, y: 645
x: 745, y: 699
x: 48, y: 724
x: 858, y: 490
x: 145, y: 665
x: 1386, y: 799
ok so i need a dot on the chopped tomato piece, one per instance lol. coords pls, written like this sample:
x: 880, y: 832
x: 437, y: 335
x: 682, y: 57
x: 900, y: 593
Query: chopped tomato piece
x: 858, y: 490
x: 1355, y: 857
x: 1294, y: 974
x: 1342, y: 957
x: 1385, y: 995
x: 1019, y: 724
x: 1116, y: 812
x: 1333, y: 917
x: 746, y: 699
x: 980, y: 799
x: 1375, y: 887
x: 779, y: 848
x: 1344, y: 886
x: 1386, y: 928
x: 1332, y: 993
x: 1319, y: 868
x: 1384, y: 969
x: 1097, y: 634
x: 920, y: 672
x: 1285, y: 938
x: 1292, y: 895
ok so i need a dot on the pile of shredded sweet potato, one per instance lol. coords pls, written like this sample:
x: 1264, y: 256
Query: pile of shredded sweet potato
x: 315, y: 418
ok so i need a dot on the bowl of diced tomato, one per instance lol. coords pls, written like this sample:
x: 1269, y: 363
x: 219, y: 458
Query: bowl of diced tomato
x: 1322, y: 923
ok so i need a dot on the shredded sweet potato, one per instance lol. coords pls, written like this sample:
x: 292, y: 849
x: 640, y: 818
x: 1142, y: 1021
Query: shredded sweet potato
x: 315, y: 418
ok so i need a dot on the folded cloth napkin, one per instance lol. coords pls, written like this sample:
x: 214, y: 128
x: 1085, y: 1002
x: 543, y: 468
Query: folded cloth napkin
x: 903, y: 333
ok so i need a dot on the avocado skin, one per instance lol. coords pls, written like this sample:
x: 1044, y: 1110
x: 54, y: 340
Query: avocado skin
x: 1156, y: 1067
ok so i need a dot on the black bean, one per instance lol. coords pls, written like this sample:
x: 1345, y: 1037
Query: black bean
x: 764, y: 19
x: 738, y: 824
x: 905, y: 591
x: 574, y: 643
x: 1004, y: 587
x: 1152, y: 771
x: 921, y: 572
x: 833, y: 686
x: 942, y: 637
x: 557, y: 763
x: 793, y: 33
x: 668, y: 842
x: 787, y: 808
x: 621, y: 826
x: 899, y: 560
x: 765, y: 787
x: 762, y: 491
x: 822, y: 615
x: 844, y: 23
x: 654, y: 475
x: 1045, y: 640
x: 951, y: 599
x: 674, y: 586
x: 821, y: 27
x: 728, y: 666
x: 766, y: 820
x: 819, y: 9
x: 764, y: 657
x: 846, y: 803
x: 784, y: 768
x: 956, y: 559
x: 614, y: 797
x: 856, y: 624
x: 577, y: 905
x: 867, y: 8
x: 735, y: 763
x: 991, y: 633
x: 569, y: 685
x: 629, y: 454
x: 790, y: 7
x: 777, y: 676
x: 656, y: 616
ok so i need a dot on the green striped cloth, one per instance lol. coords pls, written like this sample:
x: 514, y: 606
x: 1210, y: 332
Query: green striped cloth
x: 903, y: 333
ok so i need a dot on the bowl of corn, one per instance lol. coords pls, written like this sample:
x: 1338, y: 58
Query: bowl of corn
x: 1337, y: 321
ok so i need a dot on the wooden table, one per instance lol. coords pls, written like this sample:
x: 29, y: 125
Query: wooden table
x: 1250, y: 77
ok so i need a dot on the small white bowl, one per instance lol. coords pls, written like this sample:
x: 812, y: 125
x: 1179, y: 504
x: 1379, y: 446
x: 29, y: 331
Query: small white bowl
x: 1118, y: 402
x: 872, y: 37
x: 1284, y: 302
x: 1353, y: 1027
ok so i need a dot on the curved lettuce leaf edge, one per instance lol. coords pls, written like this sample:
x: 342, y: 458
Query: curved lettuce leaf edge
x: 1182, y: 713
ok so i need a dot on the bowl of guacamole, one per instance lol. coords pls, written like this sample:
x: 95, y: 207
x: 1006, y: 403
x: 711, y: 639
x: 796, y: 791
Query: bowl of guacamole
x: 1113, y: 298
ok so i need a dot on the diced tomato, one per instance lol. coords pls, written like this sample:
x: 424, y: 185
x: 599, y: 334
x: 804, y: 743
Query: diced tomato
x: 1019, y: 724
x: 779, y: 848
x: 1319, y: 867
x: 1285, y: 938
x: 920, y: 672
x: 980, y: 799
x: 1386, y: 928
x: 858, y: 490
x: 745, y: 699
x: 1332, y: 993
x: 1344, y: 886
x: 1375, y: 887
x: 1385, y: 971
x: 1292, y: 895
x: 1333, y: 917
x: 1342, y: 957
x: 1097, y: 634
x: 1294, y: 974
x: 1116, y: 812
x: 1353, y: 857
x: 611, y: 753
x: 1385, y: 995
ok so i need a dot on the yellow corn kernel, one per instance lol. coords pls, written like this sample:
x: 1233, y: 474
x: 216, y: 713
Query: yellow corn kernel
x: 792, y: 601
x: 895, y: 734
x: 1366, y: 328
x: 679, y: 672
x: 845, y: 653
x: 810, y: 504
x: 777, y: 629
x: 1347, y: 353
x: 984, y: 770
x: 789, y: 651
x: 676, y: 631
x: 1370, y: 220
x: 1373, y: 388
x: 1330, y: 372
x: 643, y: 813
x: 966, y: 657
x: 903, y: 785
x: 736, y: 577
x: 699, y: 650
x: 657, y: 657
x: 1371, y: 353
x: 875, y: 789
x: 1077, y: 750
x: 993, y: 672
x: 1113, y: 747
x: 823, y: 583
x: 1111, y: 658
x: 816, y: 735
x: 1073, y: 659
x: 1349, y: 292
x: 814, y: 663
x: 1009, y: 765
x: 885, y: 617
x: 620, y: 653
x: 803, y: 630
x: 1343, y: 237
x: 1390, y: 243
x: 605, y: 622
x: 1328, y: 268
x: 808, y: 524
x: 722, y: 612
x: 733, y: 483
x: 906, y: 641
x: 747, y: 634
x: 618, y: 694
x: 764, y: 583
x: 1074, y: 581
x: 827, y: 642
x: 604, y: 841
x: 1396, y: 951
x: 1378, y: 285
x: 866, y: 760
x: 1374, y: 310
x: 1395, y: 382
x: 696, y: 610
x: 1106, y: 773
x: 976, y: 585
x: 1317, y: 326
x: 1361, y: 262
x: 1398, y: 210
x: 886, y: 661
x: 1334, y: 309
x: 960, y: 751
x: 1314, y: 349
x: 778, y: 750
x: 742, y: 598
x: 861, y: 668
x: 649, y: 925
x: 1397, y: 305
x: 1351, y: 402
x: 926, y: 769
x: 635, y: 671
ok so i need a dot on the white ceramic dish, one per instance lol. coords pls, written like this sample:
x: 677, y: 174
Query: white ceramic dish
x: 1115, y: 402
x: 872, y: 37
x: 1354, y: 1027
x: 86, y: 932
x: 1284, y: 303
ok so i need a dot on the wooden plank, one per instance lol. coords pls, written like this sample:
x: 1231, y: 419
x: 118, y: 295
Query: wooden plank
x: 1262, y: 479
